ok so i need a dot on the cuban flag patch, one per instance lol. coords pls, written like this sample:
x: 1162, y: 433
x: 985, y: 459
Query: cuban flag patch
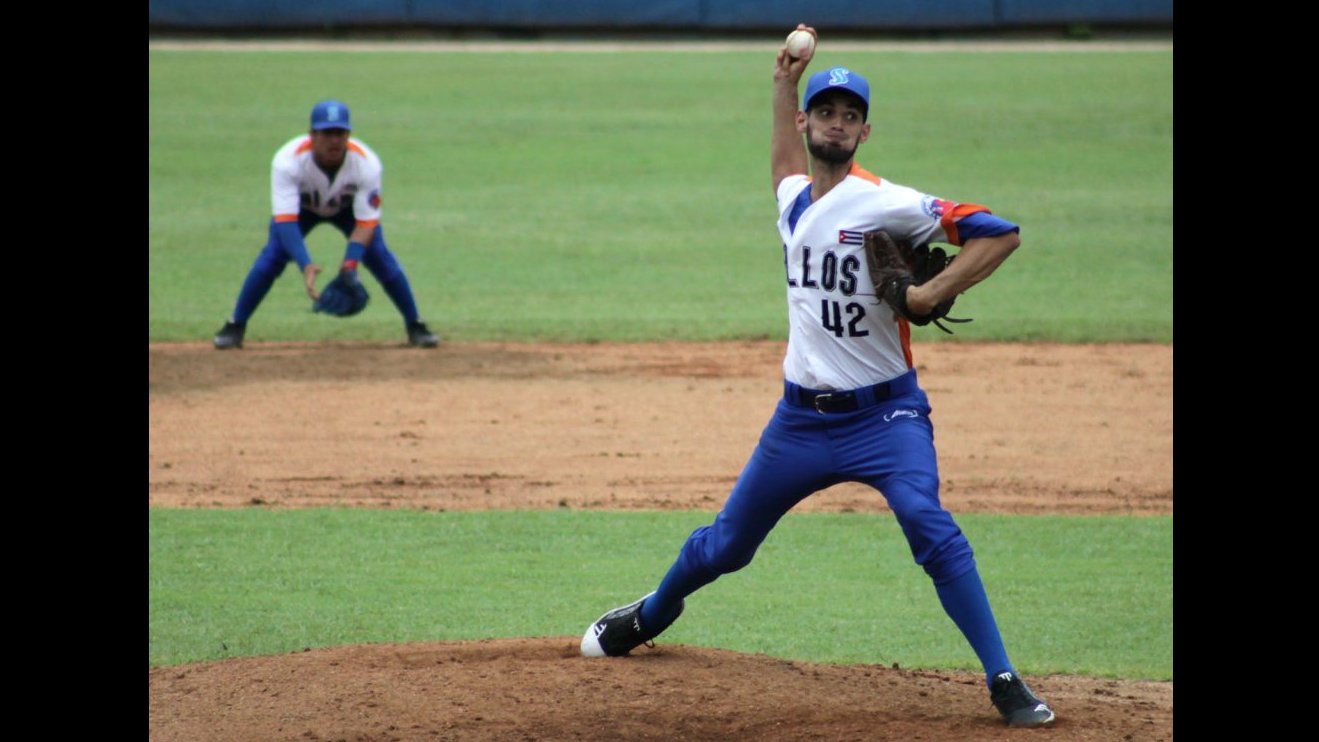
x: 848, y: 237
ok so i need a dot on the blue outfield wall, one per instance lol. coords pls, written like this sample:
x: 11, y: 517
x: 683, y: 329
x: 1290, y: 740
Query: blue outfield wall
x: 692, y: 15
x: 532, y: 14
x: 275, y: 13
x: 850, y: 14
x: 1029, y: 12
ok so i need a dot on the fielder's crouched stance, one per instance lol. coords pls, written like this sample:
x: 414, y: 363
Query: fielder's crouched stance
x: 852, y: 410
x: 323, y: 176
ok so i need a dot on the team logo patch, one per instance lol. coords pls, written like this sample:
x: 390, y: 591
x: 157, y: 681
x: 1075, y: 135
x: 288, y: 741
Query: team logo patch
x: 374, y: 199
x: 848, y: 237
x: 935, y: 208
x: 838, y: 75
x: 891, y: 416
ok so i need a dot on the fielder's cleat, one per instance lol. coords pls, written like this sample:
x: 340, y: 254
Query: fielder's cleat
x: 420, y: 336
x: 1019, y: 706
x: 618, y: 632
x: 230, y: 336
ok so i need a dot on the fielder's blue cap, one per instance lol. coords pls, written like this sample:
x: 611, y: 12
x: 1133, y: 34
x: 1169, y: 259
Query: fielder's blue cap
x: 838, y: 78
x: 330, y: 114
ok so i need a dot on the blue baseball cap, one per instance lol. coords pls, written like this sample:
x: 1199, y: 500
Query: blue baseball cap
x: 838, y: 78
x: 330, y: 114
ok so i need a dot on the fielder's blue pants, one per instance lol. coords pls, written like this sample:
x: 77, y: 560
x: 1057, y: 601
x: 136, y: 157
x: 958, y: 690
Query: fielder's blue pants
x: 889, y: 446
x: 378, y: 259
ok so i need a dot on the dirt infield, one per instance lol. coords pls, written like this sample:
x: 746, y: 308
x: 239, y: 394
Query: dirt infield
x: 1021, y: 428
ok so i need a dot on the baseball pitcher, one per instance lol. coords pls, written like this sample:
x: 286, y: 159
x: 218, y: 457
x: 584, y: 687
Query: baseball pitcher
x: 859, y: 273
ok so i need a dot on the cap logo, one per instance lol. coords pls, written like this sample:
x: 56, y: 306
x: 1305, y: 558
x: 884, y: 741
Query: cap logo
x: 332, y: 113
x: 838, y: 76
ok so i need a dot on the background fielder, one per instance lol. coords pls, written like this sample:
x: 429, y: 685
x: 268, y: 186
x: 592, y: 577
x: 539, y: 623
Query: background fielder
x: 317, y: 177
x: 852, y: 409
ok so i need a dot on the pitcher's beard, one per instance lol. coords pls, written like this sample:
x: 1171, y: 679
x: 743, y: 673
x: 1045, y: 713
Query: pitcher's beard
x: 831, y: 153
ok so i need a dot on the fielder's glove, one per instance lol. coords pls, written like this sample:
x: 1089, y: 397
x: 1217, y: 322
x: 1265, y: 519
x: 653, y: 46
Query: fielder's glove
x: 895, y: 266
x: 342, y: 297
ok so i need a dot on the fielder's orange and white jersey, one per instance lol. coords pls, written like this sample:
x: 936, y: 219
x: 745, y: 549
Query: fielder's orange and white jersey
x: 840, y: 335
x: 296, y: 183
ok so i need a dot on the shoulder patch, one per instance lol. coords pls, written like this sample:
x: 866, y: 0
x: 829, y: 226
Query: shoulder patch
x: 374, y: 199
x: 936, y: 208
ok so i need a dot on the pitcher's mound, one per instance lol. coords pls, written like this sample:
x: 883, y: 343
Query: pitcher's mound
x: 543, y: 689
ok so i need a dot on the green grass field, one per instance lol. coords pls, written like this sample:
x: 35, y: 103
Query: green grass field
x: 534, y: 197
x: 1088, y: 595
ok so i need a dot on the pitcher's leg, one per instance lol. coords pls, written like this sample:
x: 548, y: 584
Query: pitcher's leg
x: 788, y: 464
x: 907, y: 473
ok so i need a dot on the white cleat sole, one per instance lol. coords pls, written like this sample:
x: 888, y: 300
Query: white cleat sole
x: 591, y: 639
x: 591, y: 643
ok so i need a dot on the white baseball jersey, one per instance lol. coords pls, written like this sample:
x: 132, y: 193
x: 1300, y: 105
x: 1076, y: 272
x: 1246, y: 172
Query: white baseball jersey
x: 297, y: 183
x: 841, y: 336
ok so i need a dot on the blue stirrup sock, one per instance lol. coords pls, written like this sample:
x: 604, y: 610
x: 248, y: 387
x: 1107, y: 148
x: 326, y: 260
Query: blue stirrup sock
x: 965, y: 602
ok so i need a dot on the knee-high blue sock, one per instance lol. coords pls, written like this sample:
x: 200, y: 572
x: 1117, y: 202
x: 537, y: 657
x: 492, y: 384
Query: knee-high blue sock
x: 255, y: 287
x: 965, y: 601
x: 400, y: 292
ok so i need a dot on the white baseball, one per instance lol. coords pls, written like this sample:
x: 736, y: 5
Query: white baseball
x: 800, y: 44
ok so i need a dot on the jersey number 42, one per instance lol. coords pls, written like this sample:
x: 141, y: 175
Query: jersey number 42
x: 831, y: 316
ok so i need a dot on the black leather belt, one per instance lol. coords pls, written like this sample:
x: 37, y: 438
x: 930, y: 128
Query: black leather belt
x: 849, y: 400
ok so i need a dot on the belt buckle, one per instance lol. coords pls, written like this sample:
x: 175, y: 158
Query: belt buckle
x: 816, y: 402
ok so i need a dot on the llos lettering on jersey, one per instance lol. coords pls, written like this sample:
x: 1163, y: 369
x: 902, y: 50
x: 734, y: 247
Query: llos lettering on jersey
x: 830, y: 273
x: 806, y: 281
